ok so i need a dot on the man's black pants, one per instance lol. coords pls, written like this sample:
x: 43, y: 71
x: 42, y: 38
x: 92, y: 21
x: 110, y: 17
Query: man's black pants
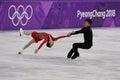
x: 75, y: 48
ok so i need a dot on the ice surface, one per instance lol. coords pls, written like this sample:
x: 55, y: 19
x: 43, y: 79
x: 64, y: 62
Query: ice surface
x: 101, y: 62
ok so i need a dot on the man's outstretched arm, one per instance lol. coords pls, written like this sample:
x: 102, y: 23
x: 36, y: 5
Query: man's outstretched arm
x: 76, y: 32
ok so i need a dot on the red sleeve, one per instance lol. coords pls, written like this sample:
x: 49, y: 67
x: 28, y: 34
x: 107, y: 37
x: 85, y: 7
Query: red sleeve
x: 42, y: 44
x: 59, y: 37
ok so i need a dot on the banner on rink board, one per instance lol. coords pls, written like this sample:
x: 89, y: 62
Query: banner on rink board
x: 57, y: 14
x: 95, y: 13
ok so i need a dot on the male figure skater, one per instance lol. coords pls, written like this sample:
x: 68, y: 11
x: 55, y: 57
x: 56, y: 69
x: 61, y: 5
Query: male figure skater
x: 38, y: 36
x: 88, y: 39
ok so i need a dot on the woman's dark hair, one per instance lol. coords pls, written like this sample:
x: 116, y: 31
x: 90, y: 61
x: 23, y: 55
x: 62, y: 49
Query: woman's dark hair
x: 48, y: 45
x: 89, y: 21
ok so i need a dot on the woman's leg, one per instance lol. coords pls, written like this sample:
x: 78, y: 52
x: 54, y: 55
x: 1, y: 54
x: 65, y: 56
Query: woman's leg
x: 24, y: 32
x: 27, y: 33
x: 28, y: 44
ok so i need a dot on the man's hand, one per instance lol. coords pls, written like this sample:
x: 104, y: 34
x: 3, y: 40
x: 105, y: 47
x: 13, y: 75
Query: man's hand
x: 70, y: 33
x: 36, y: 51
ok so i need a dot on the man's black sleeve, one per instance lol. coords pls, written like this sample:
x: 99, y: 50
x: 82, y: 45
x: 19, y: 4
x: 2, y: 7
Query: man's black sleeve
x: 79, y: 31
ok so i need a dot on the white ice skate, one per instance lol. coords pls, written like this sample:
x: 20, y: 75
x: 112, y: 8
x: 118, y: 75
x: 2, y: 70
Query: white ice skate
x: 21, y: 31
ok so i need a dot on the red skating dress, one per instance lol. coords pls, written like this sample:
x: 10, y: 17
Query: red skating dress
x: 40, y: 36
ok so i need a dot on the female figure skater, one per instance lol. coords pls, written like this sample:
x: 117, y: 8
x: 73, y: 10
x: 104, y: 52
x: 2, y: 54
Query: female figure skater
x: 38, y: 36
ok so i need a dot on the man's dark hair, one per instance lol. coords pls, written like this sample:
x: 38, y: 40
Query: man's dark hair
x: 48, y: 45
x: 89, y: 21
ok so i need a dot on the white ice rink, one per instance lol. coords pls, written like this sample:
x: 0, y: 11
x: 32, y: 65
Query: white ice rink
x: 101, y: 62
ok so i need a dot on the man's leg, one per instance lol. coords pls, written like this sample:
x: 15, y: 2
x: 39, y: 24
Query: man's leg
x: 73, y: 51
x: 76, y: 46
x: 70, y: 53
x: 76, y: 54
x: 27, y: 45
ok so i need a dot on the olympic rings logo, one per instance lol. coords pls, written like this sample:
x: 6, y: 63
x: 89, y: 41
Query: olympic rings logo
x: 20, y: 15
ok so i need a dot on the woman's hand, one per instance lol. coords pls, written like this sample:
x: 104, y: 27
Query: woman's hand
x: 36, y: 51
